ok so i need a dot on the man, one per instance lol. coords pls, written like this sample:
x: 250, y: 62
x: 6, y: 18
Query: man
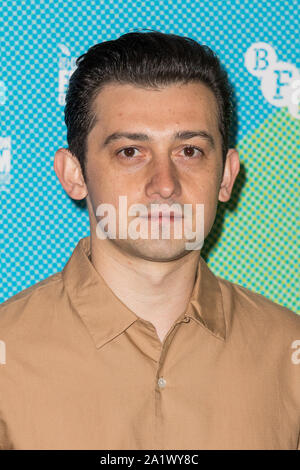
x: 136, y: 344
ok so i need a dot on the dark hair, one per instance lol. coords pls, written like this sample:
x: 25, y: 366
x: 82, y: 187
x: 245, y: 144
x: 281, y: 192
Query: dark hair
x: 150, y: 59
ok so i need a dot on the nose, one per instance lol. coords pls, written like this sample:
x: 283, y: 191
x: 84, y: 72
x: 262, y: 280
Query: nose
x: 163, y: 181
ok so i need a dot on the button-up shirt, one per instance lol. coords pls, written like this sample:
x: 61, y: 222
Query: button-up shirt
x: 80, y: 370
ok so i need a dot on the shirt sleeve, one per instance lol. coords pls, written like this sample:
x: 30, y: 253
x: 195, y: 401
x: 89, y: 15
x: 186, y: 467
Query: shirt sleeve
x: 5, y: 442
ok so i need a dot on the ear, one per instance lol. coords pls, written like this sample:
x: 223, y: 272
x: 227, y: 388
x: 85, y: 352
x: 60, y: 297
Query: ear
x: 231, y: 170
x: 68, y: 171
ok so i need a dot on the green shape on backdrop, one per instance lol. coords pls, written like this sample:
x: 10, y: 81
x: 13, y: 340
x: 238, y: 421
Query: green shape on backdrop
x: 254, y: 241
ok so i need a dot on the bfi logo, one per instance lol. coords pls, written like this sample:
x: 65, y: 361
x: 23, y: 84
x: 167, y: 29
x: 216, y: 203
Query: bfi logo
x: 66, y: 66
x: 5, y: 162
x: 280, y: 81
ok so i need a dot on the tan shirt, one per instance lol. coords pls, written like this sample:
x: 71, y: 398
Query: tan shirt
x: 82, y: 371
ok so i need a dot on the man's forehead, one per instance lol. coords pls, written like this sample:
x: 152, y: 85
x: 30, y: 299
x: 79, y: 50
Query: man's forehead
x: 158, y: 107
x: 111, y: 92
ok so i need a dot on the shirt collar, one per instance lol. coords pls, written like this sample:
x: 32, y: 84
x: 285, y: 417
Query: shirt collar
x: 106, y: 316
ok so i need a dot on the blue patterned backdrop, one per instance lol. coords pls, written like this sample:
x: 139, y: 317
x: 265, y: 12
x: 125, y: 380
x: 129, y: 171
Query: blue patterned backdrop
x: 256, y: 245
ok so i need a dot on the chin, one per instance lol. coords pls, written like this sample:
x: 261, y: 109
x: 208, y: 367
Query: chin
x: 154, y: 250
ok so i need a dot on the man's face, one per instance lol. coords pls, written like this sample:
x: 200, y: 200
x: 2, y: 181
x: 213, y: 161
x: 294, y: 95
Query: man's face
x: 157, y: 167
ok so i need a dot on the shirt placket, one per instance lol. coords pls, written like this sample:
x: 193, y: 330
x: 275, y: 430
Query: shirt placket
x: 161, y: 381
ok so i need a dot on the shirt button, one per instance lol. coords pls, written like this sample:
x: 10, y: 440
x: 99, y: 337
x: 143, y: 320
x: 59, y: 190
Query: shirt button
x: 186, y: 319
x: 161, y: 382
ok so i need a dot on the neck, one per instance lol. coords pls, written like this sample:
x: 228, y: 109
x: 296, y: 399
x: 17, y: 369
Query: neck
x: 156, y: 291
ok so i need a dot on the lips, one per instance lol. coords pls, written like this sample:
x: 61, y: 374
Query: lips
x: 170, y: 215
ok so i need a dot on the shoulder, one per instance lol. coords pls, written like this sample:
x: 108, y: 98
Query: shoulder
x: 30, y: 303
x: 268, y: 334
x: 251, y: 307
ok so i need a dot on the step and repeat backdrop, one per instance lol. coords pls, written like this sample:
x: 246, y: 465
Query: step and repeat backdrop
x: 254, y: 241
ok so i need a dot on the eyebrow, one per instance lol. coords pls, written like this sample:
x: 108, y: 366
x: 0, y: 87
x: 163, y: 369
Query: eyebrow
x: 176, y: 136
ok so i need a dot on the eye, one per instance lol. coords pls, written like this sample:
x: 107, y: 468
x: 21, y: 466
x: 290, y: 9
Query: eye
x: 128, y: 152
x: 189, y: 151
